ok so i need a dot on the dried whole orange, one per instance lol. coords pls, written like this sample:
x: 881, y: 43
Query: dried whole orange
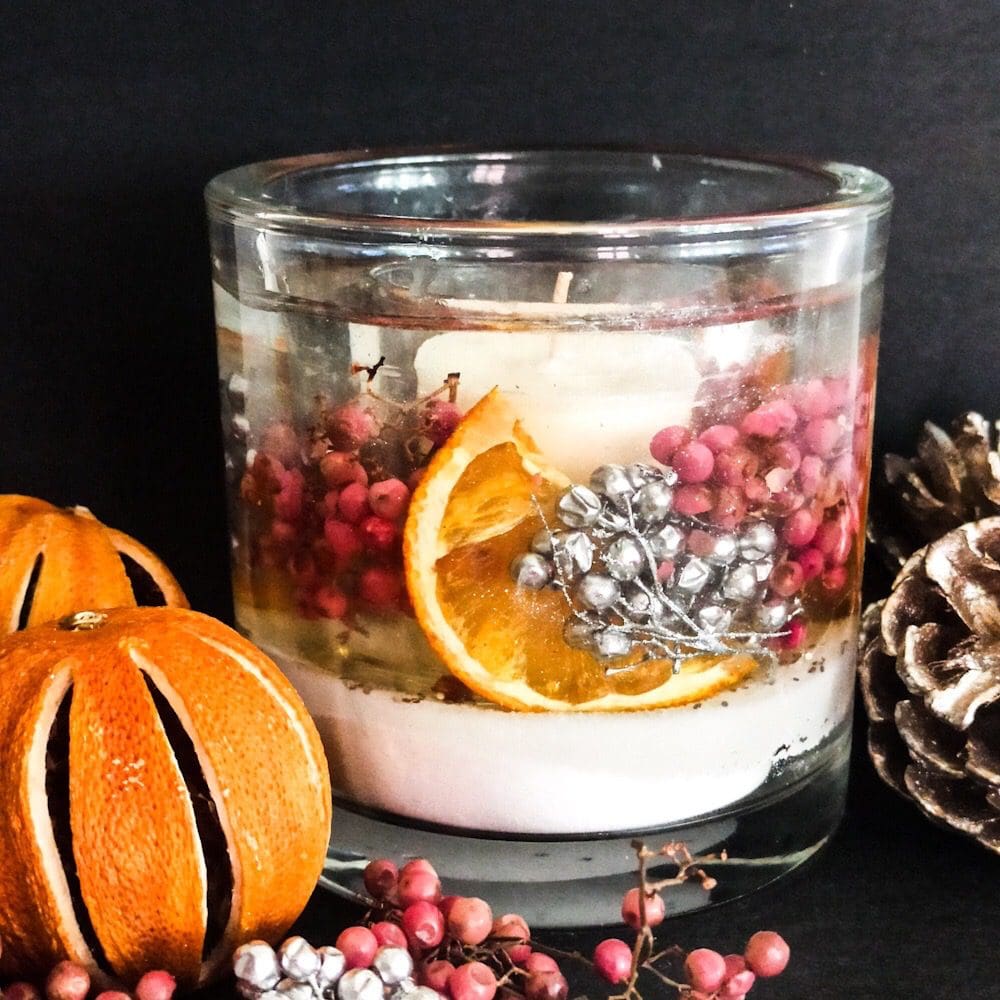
x: 56, y: 561
x: 165, y: 796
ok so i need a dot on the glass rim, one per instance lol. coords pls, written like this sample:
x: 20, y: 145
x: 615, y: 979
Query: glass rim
x: 238, y: 195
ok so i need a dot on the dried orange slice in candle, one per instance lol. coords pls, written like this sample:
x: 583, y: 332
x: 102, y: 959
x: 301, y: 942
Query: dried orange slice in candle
x: 477, y: 507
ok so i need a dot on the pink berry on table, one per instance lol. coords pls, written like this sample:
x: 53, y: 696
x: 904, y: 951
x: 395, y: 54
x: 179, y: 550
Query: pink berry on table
x: 436, y: 974
x: 418, y: 881
x: 380, y: 877
x: 512, y: 925
x: 472, y: 981
x: 470, y: 920
x: 800, y: 528
x: 613, y: 960
x: 787, y: 578
x: 719, y: 437
x: 822, y: 435
x: 693, y: 462
x: 692, y: 499
x: 389, y: 935
x: 330, y: 602
x: 156, y: 985
x: 667, y: 441
x: 767, y: 954
x: 538, y: 961
x: 359, y: 945
x: 353, y: 503
x: 423, y: 924
x: 439, y: 420
x: 546, y: 986
x: 343, y: 539
x: 738, y: 986
x: 67, y: 981
x: 377, y: 534
x: 705, y: 969
x: 631, y: 913
x: 351, y: 426
x: 380, y: 586
x: 388, y: 498
x: 338, y: 467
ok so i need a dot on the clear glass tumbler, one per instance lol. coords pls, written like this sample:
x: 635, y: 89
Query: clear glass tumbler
x: 547, y: 484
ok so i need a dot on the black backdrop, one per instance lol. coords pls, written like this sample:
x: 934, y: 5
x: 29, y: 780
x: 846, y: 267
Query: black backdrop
x: 113, y: 117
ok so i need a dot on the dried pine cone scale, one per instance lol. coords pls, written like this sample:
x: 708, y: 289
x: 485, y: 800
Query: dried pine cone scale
x: 930, y: 681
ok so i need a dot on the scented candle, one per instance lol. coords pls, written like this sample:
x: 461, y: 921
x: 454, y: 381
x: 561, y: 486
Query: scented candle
x: 547, y: 484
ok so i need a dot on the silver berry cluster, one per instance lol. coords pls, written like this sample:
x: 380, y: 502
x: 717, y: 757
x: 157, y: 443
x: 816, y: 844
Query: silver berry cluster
x: 297, y: 971
x: 623, y: 557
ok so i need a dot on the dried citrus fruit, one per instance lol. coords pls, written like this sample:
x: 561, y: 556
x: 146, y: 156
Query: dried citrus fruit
x: 484, y: 497
x: 165, y: 795
x: 58, y: 560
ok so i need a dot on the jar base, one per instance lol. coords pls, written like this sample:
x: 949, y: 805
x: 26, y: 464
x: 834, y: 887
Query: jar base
x: 569, y: 881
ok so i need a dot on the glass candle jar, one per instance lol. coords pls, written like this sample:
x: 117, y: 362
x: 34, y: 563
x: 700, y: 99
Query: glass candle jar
x: 547, y: 481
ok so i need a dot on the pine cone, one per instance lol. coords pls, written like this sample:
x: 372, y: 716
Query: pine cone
x: 953, y: 479
x: 930, y: 678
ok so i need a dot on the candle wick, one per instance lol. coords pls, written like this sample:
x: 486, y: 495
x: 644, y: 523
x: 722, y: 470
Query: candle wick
x: 561, y: 291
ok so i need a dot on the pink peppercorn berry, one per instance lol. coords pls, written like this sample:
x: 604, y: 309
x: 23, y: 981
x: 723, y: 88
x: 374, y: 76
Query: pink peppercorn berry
x: 380, y: 586
x: 353, y: 503
x: 380, y: 877
x: 655, y: 909
x: 436, y: 974
x: 389, y: 935
x: 692, y: 499
x: 613, y: 960
x: 693, y: 462
x: 719, y: 437
x: 351, y: 426
x: 156, y: 985
x: 439, y: 420
x: 538, y: 961
x: 104, y: 995
x: 767, y: 954
x: 388, y: 498
x: 359, y: 945
x: 705, y: 969
x: 329, y: 602
x: 67, y: 981
x: 667, y: 441
x: 472, y: 981
x: 812, y: 562
x: 470, y: 920
x: 338, y: 468
x: 423, y: 924
x: 546, y: 986
x: 21, y: 991
x: 377, y: 534
x: 344, y: 541
x: 800, y: 528
x: 787, y: 578
x: 512, y: 925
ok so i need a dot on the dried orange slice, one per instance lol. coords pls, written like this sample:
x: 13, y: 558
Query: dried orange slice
x: 478, y: 506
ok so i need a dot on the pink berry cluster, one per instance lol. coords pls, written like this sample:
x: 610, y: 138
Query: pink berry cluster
x: 732, y: 977
x: 71, y: 981
x: 797, y: 458
x: 326, y: 506
x: 460, y: 949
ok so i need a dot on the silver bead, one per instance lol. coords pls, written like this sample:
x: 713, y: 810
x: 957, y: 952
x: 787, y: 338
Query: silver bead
x: 578, y: 634
x: 403, y: 989
x: 597, y: 592
x: 638, y: 601
x: 724, y: 550
x: 624, y: 559
x: 298, y: 958
x: 574, y: 552
x: 654, y: 501
x: 240, y: 427
x: 578, y: 507
x: 758, y: 541
x: 639, y: 474
x: 332, y: 964
x: 613, y: 482
x: 740, y: 583
x: 236, y: 389
x: 714, y: 618
x: 292, y: 989
x: 531, y: 571
x: 772, y: 616
x: 763, y: 569
x: 542, y: 543
x: 359, y: 984
x: 393, y: 965
x: 257, y: 964
x: 667, y: 542
x: 610, y: 644
x: 694, y: 575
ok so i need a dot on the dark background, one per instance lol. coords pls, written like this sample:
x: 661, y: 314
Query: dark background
x: 113, y: 117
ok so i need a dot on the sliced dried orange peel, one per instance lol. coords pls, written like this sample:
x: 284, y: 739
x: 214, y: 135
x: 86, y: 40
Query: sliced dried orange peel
x: 478, y: 506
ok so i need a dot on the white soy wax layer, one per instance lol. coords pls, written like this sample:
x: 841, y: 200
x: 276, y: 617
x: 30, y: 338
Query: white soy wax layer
x: 482, y: 768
